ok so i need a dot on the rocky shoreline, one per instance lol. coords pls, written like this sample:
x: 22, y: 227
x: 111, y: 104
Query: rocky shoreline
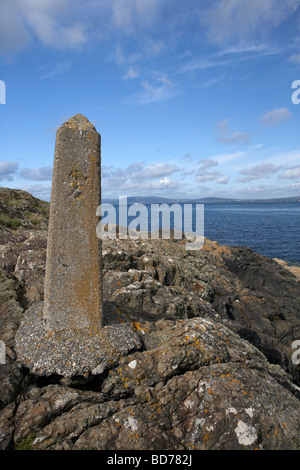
x: 211, y: 368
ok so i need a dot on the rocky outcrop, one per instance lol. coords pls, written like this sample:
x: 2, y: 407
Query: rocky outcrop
x: 211, y: 367
x: 196, y: 386
x: 20, y: 210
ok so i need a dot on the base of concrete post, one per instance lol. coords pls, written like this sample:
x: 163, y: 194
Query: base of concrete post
x: 71, y: 353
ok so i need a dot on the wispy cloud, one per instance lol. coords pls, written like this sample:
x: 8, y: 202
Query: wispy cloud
x: 208, y: 172
x: 22, y: 21
x: 242, y: 49
x: 68, y: 24
x: 295, y: 58
x: 212, y: 81
x: 229, y: 22
x: 131, y: 73
x: 160, y: 88
x: 207, y: 163
x: 259, y: 171
x: 133, y: 14
x: 57, y: 69
x: 228, y: 157
x: 226, y: 136
x: 228, y: 57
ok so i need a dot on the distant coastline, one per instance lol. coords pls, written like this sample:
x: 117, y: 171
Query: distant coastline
x: 205, y: 200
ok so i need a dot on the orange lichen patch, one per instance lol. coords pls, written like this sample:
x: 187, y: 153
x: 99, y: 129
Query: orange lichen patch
x: 123, y: 379
x: 136, y: 324
x: 207, y: 248
x: 156, y: 410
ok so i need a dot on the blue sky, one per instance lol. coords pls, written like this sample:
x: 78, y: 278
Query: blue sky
x: 192, y: 99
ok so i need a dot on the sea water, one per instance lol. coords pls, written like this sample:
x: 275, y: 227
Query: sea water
x: 269, y: 228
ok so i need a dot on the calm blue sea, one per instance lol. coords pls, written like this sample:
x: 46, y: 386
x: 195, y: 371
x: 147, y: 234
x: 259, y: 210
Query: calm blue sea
x: 271, y: 229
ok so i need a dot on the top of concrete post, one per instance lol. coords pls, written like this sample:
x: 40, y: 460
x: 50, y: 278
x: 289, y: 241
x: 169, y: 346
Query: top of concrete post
x: 79, y: 122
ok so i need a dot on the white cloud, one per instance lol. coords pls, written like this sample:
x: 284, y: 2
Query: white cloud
x: 207, y: 163
x: 49, y: 21
x: 37, y: 174
x: 131, y: 73
x: 206, y: 173
x: 14, y: 35
x: 65, y: 24
x: 203, y: 175
x: 162, y: 183
x: 228, y: 137
x: 291, y: 173
x: 241, y: 22
x: 7, y: 170
x: 275, y: 116
x: 52, y: 34
x: 160, y: 89
x: 295, y: 58
x: 137, y: 178
x: 131, y: 14
x: 223, y: 180
x: 259, y: 171
x: 155, y: 171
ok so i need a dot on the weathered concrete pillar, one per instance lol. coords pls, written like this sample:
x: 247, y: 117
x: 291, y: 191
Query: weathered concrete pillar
x: 64, y: 334
x: 73, y: 281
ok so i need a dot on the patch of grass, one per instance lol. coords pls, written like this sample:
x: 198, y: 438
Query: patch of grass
x: 25, y: 443
x: 35, y: 219
x: 8, y: 222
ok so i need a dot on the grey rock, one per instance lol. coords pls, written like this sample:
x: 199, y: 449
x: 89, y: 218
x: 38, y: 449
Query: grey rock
x: 197, y: 386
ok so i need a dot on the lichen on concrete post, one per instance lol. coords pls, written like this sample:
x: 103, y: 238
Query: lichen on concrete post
x: 73, y: 281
